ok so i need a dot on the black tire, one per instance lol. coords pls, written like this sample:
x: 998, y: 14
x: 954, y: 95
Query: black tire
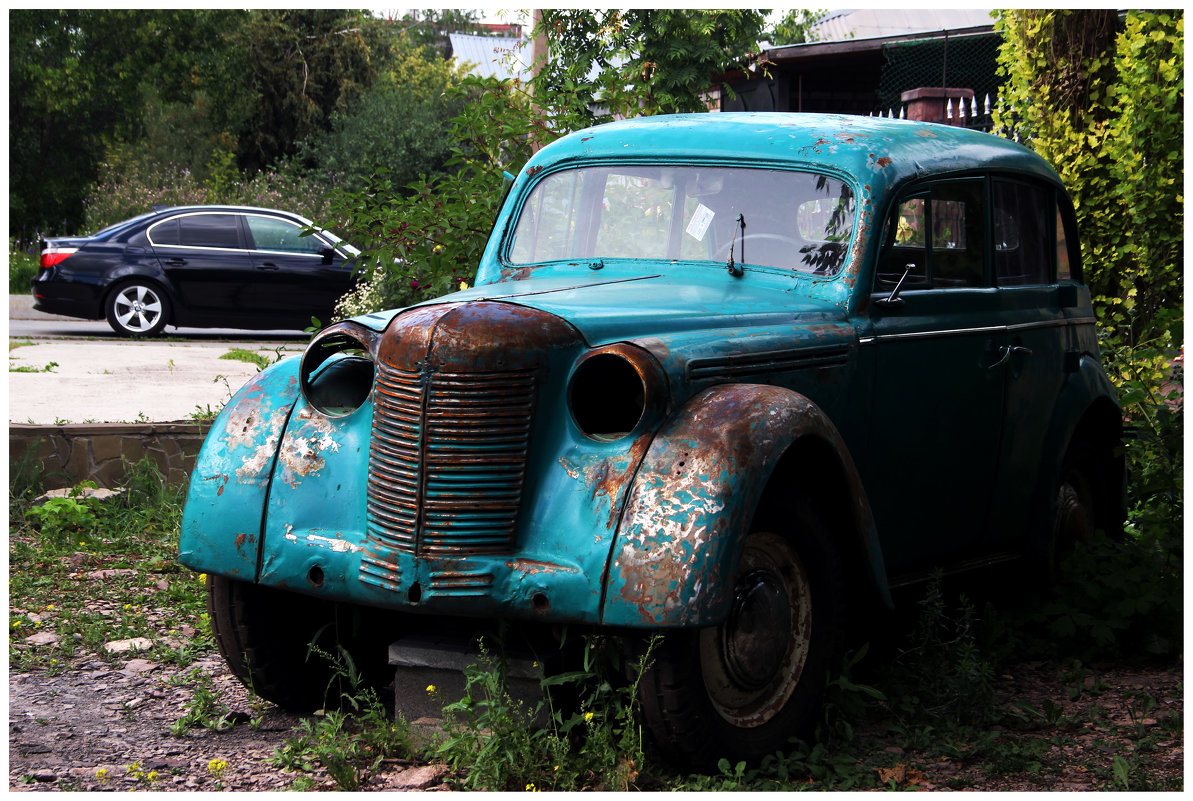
x: 265, y: 634
x: 725, y: 692
x: 137, y: 309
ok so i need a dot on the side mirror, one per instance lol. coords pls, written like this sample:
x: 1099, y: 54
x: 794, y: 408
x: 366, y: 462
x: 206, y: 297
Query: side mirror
x: 328, y: 254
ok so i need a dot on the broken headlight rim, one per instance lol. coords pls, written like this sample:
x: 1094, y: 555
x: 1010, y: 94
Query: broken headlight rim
x: 337, y: 369
x: 615, y: 391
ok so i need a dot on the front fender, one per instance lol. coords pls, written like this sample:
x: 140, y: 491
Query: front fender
x: 695, y: 495
x: 225, y: 505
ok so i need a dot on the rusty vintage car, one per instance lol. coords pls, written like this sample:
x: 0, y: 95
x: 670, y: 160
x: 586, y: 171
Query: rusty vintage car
x: 727, y: 378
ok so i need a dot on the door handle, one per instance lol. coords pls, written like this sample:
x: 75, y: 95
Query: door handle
x: 175, y: 262
x: 1006, y: 352
x: 269, y: 265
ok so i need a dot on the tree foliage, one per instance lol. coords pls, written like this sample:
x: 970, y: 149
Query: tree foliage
x: 305, y: 65
x: 794, y: 27
x: 79, y: 81
x: 660, y: 61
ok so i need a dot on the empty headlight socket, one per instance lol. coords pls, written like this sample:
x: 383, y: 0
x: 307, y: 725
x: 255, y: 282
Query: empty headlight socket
x: 615, y: 390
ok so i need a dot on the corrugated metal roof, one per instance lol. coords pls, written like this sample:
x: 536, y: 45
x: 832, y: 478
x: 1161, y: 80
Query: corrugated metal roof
x: 871, y: 22
x: 491, y: 56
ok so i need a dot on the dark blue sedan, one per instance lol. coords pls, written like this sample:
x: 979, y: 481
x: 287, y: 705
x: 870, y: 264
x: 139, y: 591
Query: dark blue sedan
x: 197, y: 266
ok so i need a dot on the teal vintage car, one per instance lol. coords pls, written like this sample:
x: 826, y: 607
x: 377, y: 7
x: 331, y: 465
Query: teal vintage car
x: 727, y: 378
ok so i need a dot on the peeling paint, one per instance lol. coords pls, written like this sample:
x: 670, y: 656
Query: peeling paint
x: 326, y: 543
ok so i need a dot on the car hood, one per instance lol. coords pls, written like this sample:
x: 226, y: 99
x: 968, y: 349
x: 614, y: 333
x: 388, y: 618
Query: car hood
x: 611, y: 308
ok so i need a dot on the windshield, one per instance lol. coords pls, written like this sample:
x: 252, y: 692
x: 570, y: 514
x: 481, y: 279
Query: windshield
x: 771, y: 218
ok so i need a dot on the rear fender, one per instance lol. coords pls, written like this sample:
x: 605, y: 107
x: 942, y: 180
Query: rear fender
x: 225, y: 505
x: 694, y: 497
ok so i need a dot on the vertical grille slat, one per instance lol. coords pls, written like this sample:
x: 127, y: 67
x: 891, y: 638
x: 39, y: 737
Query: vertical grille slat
x: 447, y: 459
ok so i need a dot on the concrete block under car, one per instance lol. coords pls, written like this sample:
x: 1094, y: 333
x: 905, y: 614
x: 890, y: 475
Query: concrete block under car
x: 424, y: 661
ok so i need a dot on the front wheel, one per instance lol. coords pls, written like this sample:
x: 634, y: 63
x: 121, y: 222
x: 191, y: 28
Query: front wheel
x: 742, y: 689
x: 137, y: 309
x: 266, y: 637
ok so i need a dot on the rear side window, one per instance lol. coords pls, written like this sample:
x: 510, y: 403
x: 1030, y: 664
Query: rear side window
x: 204, y: 231
x: 1021, y: 247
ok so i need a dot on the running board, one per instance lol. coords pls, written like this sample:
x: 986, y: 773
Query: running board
x: 964, y: 566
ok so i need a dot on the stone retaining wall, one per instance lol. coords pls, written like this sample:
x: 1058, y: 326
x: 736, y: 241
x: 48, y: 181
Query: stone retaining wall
x: 102, y: 452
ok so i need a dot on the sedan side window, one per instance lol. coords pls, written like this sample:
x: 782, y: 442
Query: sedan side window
x: 270, y: 233
x: 208, y: 231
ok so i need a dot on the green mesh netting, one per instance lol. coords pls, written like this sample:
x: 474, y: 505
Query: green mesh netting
x: 964, y: 62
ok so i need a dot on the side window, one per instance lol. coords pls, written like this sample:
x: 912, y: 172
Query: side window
x: 208, y: 231
x: 165, y: 233
x: 940, y: 236
x: 908, y: 245
x: 958, y: 234
x: 547, y: 228
x: 1021, y: 248
x: 270, y: 233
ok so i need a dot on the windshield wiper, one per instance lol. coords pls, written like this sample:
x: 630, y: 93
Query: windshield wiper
x: 734, y: 269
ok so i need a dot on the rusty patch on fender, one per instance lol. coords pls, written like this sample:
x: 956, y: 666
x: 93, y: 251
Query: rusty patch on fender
x: 885, y: 161
x: 251, y: 426
x: 532, y: 566
x: 223, y: 479
x: 301, y: 449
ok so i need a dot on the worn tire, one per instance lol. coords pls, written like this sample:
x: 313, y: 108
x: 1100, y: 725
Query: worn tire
x: 264, y: 635
x: 724, y: 692
x: 137, y: 309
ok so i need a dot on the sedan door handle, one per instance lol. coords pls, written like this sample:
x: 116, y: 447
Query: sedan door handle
x: 175, y: 262
x: 269, y: 265
x: 1007, y: 351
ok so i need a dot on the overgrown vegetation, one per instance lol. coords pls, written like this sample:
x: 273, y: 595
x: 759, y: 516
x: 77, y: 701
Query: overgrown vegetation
x: 86, y: 571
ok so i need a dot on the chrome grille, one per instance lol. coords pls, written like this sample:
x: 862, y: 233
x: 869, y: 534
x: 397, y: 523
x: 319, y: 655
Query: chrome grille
x: 447, y: 459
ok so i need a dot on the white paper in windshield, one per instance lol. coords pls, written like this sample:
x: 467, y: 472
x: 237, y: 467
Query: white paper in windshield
x: 701, y: 219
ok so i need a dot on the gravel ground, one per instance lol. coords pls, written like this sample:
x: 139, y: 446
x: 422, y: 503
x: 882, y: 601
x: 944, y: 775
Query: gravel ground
x: 97, y: 716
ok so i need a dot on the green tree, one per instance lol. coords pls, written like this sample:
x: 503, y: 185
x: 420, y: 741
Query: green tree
x: 81, y: 81
x: 398, y: 127
x: 645, y: 61
x: 794, y: 27
x: 304, y: 66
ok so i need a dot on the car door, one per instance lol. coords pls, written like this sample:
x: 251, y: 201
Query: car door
x: 204, y: 256
x: 937, y: 405
x: 1029, y: 235
x: 297, y: 277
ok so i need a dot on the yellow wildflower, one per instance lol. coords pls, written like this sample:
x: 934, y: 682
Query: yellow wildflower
x: 216, y: 767
x: 430, y: 688
x: 463, y: 285
x: 202, y: 578
x: 101, y: 774
x: 530, y: 788
x: 588, y: 716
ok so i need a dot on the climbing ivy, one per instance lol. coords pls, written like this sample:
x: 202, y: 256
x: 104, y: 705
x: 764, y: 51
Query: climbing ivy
x: 1102, y: 101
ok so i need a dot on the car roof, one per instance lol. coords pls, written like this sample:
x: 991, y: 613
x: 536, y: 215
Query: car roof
x: 879, y: 152
x: 235, y: 209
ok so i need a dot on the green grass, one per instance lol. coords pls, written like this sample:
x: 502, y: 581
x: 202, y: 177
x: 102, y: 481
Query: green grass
x: 21, y: 269
x: 89, y: 572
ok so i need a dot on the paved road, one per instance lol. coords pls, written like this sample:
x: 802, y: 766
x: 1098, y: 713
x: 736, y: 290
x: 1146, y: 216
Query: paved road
x: 66, y: 370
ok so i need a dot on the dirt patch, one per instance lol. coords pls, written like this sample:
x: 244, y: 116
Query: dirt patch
x: 98, y: 717
x: 84, y: 728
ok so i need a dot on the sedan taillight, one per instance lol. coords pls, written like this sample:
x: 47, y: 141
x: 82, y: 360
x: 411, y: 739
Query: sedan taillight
x: 54, y: 255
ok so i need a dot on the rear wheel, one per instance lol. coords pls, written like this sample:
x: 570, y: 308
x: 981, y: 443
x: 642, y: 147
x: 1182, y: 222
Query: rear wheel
x: 137, y: 309
x: 742, y: 689
x: 265, y: 635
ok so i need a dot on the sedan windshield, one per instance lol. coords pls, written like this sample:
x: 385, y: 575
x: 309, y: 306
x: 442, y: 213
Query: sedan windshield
x: 770, y: 218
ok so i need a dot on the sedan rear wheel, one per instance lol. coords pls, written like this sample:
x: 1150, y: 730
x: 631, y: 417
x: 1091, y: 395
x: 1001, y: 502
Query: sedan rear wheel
x: 137, y: 309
